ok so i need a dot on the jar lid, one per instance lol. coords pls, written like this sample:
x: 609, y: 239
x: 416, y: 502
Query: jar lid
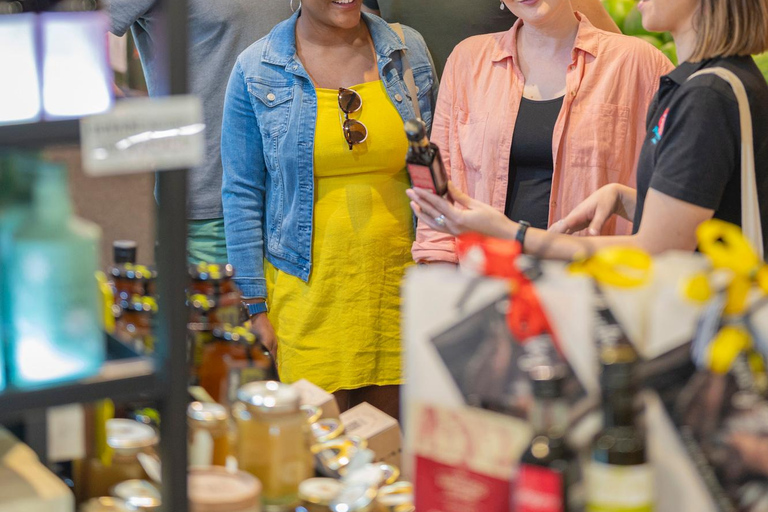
x: 211, y: 272
x: 216, y: 489
x: 106, y: 504
x: 333, y: 456
x: 129, y: 435
x: 139, y: 494
x: 269, y: 397
x: 234, y: 334
x: 397, y: 497
x: 327, y: 429
x: 313, y: 412
x: 319, y: 491
x: 354, y: 498
x: 133, y: 272
x: 391, y: 473
x: 207, y: 412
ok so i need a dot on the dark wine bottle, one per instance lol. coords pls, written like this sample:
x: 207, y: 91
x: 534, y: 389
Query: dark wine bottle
x: 549, y: 471
x: 619, y: 477
x: 424, y: 162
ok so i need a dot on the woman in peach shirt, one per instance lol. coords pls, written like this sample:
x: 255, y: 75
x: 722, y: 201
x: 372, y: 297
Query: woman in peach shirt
x: 534, y: 120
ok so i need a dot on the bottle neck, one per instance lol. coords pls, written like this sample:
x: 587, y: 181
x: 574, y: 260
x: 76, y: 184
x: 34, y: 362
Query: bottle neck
x: 549, y: 417
x: 52, y: 205
x: 618, y: 409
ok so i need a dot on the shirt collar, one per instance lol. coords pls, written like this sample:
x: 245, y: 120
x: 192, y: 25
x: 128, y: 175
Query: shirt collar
x: 683, y: 72
x: 280, y: 48
x: 587, y: 40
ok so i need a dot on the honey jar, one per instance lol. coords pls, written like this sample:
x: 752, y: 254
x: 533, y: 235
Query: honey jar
x: 209, y: 434
x: 216, y: 489
x: 273, y: 439
x: 316, y: 494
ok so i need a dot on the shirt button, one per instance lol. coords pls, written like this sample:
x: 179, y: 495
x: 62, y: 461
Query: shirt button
x: 271, y: 97
x: 398, y: 98
x: 571, y: 67
x: 573, y: 94
x: 295, y: 67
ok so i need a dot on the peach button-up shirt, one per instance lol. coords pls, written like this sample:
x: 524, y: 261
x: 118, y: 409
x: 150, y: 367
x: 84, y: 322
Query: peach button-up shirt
x: 598, y: 135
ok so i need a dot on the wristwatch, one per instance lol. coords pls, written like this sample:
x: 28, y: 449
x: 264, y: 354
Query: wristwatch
x: 255, y: 308
x: 520, y: 236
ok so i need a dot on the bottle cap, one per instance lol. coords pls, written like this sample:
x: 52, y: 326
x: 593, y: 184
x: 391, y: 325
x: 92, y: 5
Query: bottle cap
x: 415, y: 130
x: 327, y: 429
x: 236, y: 334
x: 124, y: 251
x: 211, y: 272
x: 547, y: 381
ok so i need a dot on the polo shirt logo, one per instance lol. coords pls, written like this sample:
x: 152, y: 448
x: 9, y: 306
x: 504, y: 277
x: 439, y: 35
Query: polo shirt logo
x: 658, y: 132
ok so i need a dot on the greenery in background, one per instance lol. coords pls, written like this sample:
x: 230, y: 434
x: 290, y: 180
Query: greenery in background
x: 629, y: 19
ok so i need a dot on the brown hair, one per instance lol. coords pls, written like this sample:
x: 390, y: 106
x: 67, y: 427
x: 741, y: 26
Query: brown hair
x: 731, y: 27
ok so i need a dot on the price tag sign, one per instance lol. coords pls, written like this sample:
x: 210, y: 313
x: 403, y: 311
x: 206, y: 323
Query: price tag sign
x: 144, y: 135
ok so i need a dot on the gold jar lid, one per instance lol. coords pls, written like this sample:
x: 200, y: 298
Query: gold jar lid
x: 397, y: 497
x: 106, y: 504
x: 207, y: 414
x: 139, y: 494
x: 390, y: 473
x: 327, y: 429
x: 269, y: 397
x: 313, y: 412
x: 319, y: 491
x: 333, y: 456
x: 129, y: 435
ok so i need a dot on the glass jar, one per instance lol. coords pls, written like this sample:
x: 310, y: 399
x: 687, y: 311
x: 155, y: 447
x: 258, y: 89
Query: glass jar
x: 129, y: 441
x: 216, y: 309
x: 316, y: 494
x: 233, y: 358
x: 216, y: 489
x: 134, y: 325
x: 227, y: 346
x: 139, y: 494
x: 273, y: 440
x: 397, y: 497
x: 209, y: 434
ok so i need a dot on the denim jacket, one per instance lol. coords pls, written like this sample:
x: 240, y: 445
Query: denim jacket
x: 267, y: 140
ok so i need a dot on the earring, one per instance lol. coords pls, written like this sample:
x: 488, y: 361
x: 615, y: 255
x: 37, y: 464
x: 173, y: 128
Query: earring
x: 501, y: 6
x: 292, y: 9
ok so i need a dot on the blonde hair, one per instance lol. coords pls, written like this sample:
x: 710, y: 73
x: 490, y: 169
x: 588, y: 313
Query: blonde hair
x: 731, y: 27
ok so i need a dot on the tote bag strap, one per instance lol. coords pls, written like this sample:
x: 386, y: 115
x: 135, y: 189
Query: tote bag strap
x: 750, y: 207
x: 410, y: 83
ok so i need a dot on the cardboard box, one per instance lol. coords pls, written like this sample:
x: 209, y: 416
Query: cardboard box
x: 313, y: 395
x: 381, y: 430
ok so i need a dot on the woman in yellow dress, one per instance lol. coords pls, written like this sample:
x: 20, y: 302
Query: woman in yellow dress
x: 317, y: 222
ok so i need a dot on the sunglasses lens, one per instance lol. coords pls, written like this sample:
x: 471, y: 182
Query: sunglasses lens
x: 349, y: 101
x: 355, y: 131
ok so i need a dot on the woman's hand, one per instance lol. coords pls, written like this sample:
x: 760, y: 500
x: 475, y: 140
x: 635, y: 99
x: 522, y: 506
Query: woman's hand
x: 594, y: 211
x: 261, y: 325
x: 465, y: 215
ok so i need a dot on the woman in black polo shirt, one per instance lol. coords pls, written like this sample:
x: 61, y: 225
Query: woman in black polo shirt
x: 689, y: 168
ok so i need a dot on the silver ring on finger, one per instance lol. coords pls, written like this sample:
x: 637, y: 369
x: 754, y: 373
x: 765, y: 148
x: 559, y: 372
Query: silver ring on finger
x: 440, y: 221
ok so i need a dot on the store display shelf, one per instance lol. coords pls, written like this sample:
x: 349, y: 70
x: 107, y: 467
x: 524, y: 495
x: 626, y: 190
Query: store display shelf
x: 124, y: 376
x: 40, y: 134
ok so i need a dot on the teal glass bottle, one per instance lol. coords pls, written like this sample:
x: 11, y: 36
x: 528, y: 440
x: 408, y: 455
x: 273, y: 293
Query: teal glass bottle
x: 55, y: 334
x: 15, y: 198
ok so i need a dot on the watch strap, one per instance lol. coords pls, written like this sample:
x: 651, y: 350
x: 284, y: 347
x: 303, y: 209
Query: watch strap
x: 521, y: 230
x: 256, y: 308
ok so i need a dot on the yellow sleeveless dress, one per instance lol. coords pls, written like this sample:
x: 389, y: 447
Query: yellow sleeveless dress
x: 341, y: 329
